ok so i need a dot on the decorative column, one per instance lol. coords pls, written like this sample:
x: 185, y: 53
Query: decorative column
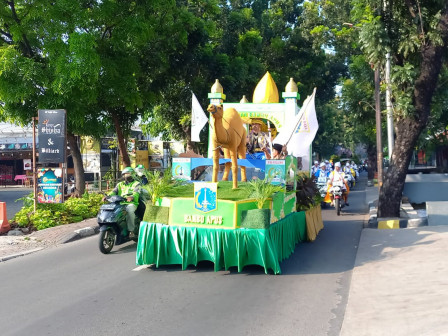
x: 291, y: 95
x: 217, y: 95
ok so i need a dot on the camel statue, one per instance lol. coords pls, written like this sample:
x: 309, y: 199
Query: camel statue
x: 228, y: 133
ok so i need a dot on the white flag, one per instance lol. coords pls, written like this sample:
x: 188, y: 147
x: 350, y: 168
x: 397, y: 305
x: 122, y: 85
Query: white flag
x: 198, y: 119
x: 299, y: 134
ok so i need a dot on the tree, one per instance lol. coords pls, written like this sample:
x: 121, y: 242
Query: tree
x: 416, y: 35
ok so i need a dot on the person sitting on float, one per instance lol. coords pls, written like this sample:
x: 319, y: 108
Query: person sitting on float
x: 279, y: 152
x: 338, y: 175
x: 257, y: 141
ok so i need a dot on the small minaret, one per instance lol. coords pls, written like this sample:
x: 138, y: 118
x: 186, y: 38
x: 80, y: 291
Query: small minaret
x: 217, y: 95
x: 291, y: 95
x: 244, y: 100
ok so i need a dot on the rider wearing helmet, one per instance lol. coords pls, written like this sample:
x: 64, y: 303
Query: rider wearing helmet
x: 140, y: 171
x: 129, y: 189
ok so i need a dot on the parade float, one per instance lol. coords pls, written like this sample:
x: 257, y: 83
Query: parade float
x: 233, y: 223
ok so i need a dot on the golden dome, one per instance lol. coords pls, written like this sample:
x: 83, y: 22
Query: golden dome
x: 217, y: 87
x: 244, y: 100
x: 291, y: 86
x: 266, y: 90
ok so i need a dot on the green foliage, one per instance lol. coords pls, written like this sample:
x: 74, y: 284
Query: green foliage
x: 261, y: 190
x: 27, y: 200
x: 307, y: 193
x: 159, y: 184
x: 49, y: 215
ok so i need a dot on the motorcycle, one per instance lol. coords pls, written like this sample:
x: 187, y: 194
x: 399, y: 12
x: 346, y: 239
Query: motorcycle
x: 349, y: 179
x: 337, y: 191
x: 112, y: 221
x: 321, y: 184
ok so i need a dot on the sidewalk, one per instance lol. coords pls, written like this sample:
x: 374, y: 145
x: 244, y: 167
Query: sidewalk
x: 16, y: 246
x: 398, y: 285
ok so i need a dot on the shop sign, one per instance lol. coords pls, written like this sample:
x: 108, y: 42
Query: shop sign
x: 16, y: 146
x: 52, y: 136
x: 49, y: 186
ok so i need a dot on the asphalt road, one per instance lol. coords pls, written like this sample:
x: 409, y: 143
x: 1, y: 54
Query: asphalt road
x: 10, y: 195
x: 75, y: 290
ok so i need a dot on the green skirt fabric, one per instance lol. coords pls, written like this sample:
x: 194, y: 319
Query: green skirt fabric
x: 165, y: 244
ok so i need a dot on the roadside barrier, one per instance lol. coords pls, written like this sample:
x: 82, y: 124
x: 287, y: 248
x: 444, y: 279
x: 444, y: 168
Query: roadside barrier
x: 4, y: 225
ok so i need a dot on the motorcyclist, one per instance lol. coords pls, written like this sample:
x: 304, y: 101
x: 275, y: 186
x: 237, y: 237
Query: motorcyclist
x: 315, y: 168
x: 338, y: 175
x: 140, y: 171
x: 322, y: 171
x: 129, y: 189
x: 347, y: 168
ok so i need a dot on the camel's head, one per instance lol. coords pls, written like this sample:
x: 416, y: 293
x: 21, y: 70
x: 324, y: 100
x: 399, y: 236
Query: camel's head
x: 215, y: 110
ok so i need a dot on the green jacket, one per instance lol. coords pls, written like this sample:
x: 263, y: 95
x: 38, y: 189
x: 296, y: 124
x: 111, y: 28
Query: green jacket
x: 124, y: 188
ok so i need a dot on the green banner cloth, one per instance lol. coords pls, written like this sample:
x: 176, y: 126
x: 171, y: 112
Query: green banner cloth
x: 166, y: 244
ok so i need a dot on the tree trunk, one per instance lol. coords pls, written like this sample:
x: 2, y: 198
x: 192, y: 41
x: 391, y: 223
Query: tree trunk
x: 80, y: 183
x: 121, y: 143
x: 408, y: 129
x: 372, y: 162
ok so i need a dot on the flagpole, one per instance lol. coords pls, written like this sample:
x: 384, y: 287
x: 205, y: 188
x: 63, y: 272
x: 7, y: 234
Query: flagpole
x: 303, y: 109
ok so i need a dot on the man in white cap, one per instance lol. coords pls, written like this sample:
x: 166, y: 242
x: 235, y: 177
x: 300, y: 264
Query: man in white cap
x: 315, y: 168
x: 338, y: 175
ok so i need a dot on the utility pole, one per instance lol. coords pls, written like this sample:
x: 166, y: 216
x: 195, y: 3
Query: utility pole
x: 379, y: 146
x: 390, y: 118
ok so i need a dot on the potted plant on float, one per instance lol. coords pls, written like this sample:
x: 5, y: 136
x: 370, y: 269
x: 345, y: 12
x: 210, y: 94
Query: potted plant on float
x: 158, y: 185
x: 261, y: 191
x: 308, y: 200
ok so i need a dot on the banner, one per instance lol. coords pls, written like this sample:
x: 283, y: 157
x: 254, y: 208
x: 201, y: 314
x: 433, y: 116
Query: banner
x: 91, y: 154
x: 299, y: 135
x: 49, y: 186
x: 27, y: 164
x: 181, y: 168
x: 206, y: 196
x: 198, y: 119
x: 52, y: 136
x: 275, y: 171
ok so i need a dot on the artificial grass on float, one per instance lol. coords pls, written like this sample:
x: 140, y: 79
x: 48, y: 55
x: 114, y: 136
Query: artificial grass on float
x: 225, y: 191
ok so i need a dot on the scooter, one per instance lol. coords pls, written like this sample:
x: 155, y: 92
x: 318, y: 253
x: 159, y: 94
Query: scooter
x: 348, y: 177
x: 112, y: 221
x: 321, y: 184
x: 337, y: 191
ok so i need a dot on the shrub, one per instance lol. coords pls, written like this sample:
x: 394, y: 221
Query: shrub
x: 261, y: 190
x: 49, y: 215
x: 307, y: 193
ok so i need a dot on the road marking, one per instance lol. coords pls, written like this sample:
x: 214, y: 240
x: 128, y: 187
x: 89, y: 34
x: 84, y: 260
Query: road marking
x: 139, y: 268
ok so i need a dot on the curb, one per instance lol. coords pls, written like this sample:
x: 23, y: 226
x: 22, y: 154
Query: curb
x: 76, y: 235
x: 81, y: 233
x: 21, y: 254
x: 386, y: 223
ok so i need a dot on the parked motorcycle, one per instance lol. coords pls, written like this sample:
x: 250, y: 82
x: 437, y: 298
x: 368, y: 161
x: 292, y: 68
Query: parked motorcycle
x: 112, y: 221
x: 337, y: 191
